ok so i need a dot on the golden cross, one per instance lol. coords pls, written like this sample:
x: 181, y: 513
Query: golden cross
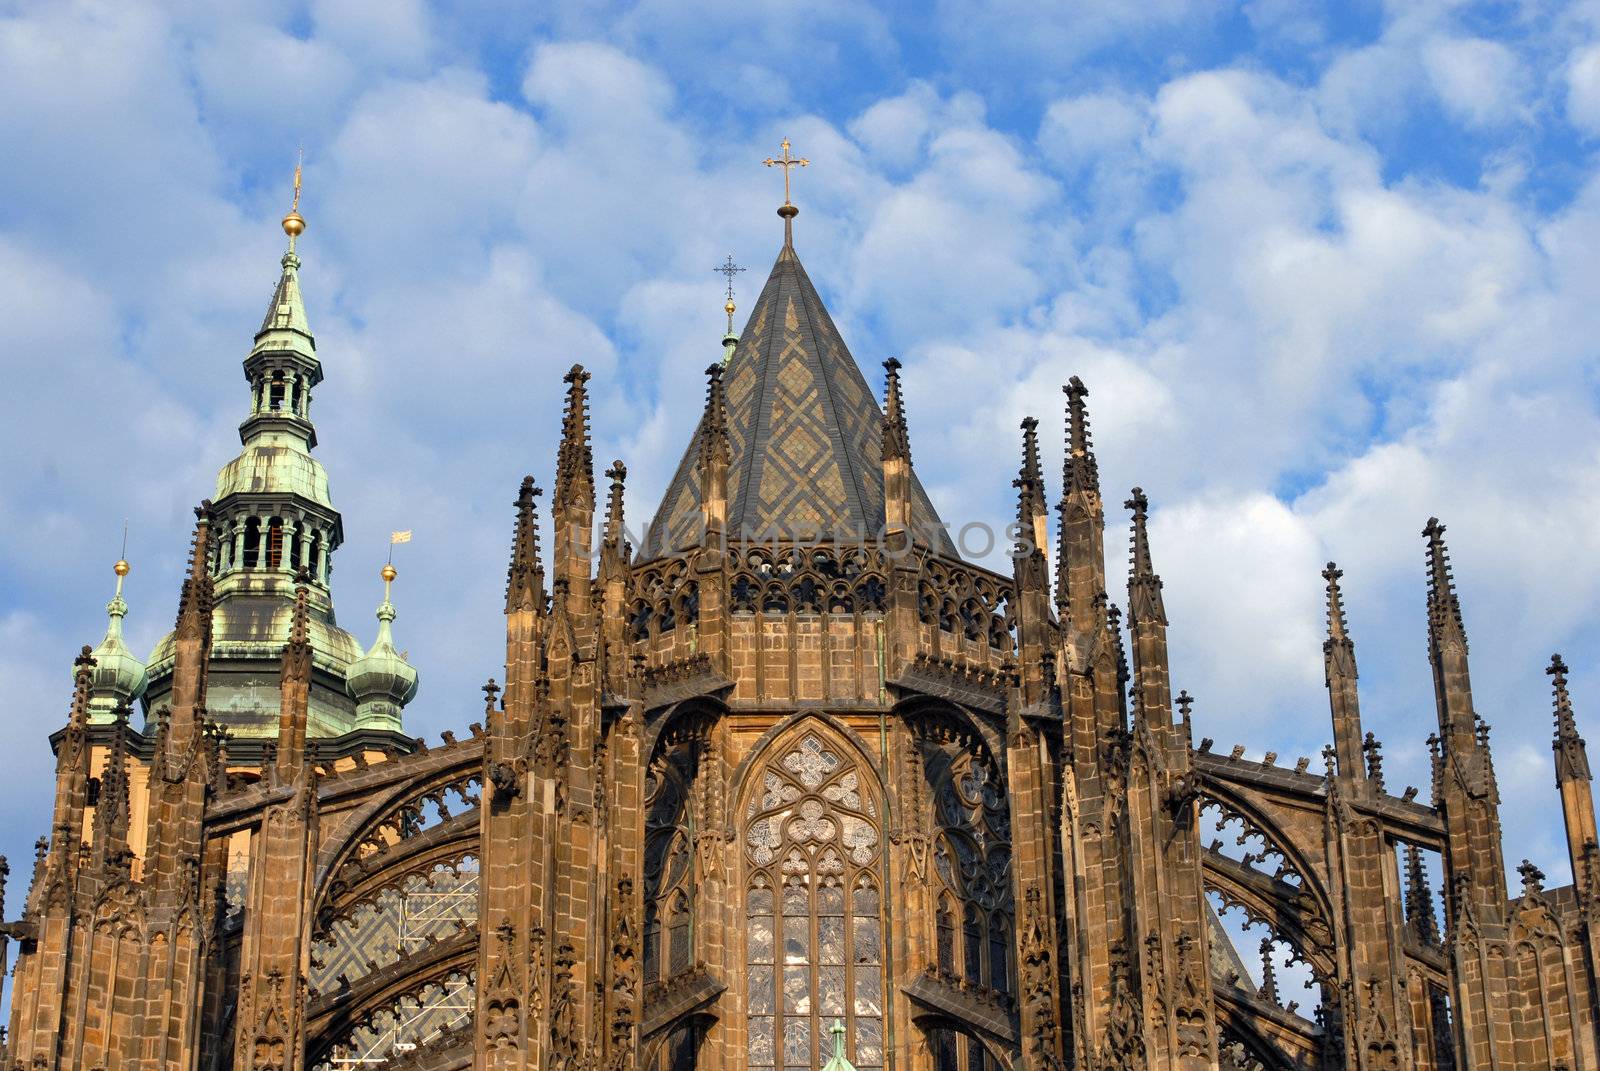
x: 786, y: 162
x: 299, y: 162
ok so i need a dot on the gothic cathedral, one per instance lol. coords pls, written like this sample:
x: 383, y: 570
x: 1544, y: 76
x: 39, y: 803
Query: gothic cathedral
x: 789, y: 784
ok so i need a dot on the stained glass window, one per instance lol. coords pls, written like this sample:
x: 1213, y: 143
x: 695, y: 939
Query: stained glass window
x: 814, y: 944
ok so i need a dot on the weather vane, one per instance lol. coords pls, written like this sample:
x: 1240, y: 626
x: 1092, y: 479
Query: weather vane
x: 729, y: 269
x: 786, y: 162
x: 294, y: 224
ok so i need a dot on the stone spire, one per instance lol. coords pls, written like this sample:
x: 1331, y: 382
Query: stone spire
x: 1447, y: 645
x: 294, y: 686
x: 1467, y: 791
x: 192, y: 641
x: 1421, y: 918
x: 1269, y: 974
x: 119, y: 676
x: 1144, y: 586
x: 112, y: 808
x: 525, y: 577
x: 1080, y: 550
x: 715, y: 455
x: 897, y: 500
x: 382, y: 682
x: 572, y: 503
x: 1147, y: 623
x: 1339, y: 673
x: 614, y: 548
x: 72, y: 775
x: 574, y: 458
x: 896, y: 432
x: 1082, y: 472
x: 1572, y: 757
x: 1573, y: 780
x: 1031, y: 508
x: 525, y: 609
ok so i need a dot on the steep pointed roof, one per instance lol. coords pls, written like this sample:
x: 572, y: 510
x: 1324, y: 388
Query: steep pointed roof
x: 287, y: 310
x: 805, y: 430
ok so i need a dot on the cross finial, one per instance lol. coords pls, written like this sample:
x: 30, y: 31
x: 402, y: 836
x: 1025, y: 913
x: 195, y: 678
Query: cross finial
x: 786, y: 162
x: 729, y: 269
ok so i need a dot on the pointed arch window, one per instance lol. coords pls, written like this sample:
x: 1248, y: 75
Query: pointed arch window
x: 974, y: 924
x: 668, y: 937
x: 814, y: 941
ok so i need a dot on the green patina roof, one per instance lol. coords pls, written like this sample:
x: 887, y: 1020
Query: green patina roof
x: 118, y: 676
x: 275, y: 463
x: 382, y: 681
x: 286, y: 314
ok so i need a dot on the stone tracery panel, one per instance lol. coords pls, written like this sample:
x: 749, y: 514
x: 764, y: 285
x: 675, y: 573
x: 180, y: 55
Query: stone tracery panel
x: 668, y: 857
x: 971, y: 855
x: 814, y: 942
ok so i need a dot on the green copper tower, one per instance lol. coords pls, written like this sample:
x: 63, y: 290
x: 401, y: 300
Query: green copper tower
x: 273, y: 517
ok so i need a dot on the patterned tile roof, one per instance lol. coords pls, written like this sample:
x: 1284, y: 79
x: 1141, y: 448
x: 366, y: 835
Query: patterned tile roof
x: 805, y: 431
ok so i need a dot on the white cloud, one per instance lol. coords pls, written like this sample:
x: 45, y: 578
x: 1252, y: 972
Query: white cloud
x: 1479, y: 82
x: 1583, y: 89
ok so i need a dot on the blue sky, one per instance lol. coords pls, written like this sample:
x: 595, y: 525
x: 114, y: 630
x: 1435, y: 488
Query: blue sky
x: 1327, y: 271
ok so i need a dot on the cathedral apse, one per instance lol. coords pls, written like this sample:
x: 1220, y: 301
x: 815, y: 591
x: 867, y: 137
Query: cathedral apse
x: 791, y: 784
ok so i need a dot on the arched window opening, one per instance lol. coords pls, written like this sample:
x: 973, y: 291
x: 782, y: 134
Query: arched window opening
x: 972, y: 946
x: 814, y: 942
x: 999, y: 952
x: 669, y: 907
x: 252, y: 542
x: 946, y: 933
x: 275, y: 543
x: 971, y: 855
x: 275, y: 392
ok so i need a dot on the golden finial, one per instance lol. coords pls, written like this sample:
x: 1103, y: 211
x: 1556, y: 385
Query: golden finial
x: 389, y: 572
x: 786, y: 162
x: 294, y: 223
x: 122, y: 566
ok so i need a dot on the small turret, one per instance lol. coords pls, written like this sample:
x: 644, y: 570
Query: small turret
x: 1573, y: 779
x: 896, y: 454
x: 382, y: 682
x: 1339, y: 673
x: 715, y: 457
x: 119, y: 676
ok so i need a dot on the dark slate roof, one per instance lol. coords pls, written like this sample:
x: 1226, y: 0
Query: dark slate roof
x: 804, y: 428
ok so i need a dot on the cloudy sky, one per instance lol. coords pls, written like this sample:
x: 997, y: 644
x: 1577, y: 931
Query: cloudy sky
x: 1326, y: 271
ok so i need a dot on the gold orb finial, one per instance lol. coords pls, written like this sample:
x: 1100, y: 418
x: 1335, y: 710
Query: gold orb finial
x: 389, y: 573
x: 729, y: 308
x: 122, y: 567
x: 294, y: 224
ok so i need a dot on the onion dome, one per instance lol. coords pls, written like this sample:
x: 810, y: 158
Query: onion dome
x: 382, y: 682
x: 118, y: 677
